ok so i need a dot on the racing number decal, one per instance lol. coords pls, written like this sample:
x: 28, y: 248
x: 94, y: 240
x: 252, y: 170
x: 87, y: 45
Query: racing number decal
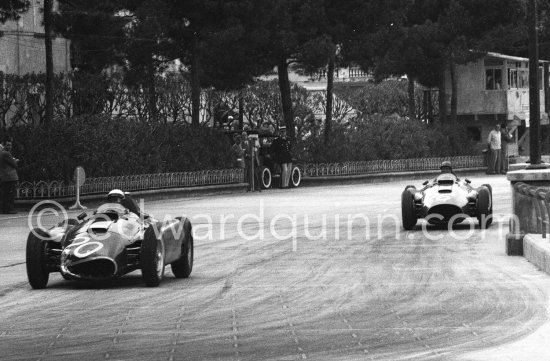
x: 78, y: 241
x: 82, y: 252
x: 83, y: 247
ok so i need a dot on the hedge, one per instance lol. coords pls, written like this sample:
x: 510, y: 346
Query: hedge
x: 108, y: 147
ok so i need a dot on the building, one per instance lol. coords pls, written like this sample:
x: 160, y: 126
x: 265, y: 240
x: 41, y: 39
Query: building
x: 495, y: 89
x: 22, y: 48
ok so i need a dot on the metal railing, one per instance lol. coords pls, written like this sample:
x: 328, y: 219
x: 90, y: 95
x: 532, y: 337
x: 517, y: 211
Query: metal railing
x: 60, y: 189
x: 388, y: 166
x: 541, y: 200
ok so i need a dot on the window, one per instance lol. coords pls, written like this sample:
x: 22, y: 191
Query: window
x: 523, y: 78
x: 493, y: 79
x: 512, y: 78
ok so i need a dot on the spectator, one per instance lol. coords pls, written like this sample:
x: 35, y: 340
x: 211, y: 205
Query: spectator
x: 8, y: 178
x: 280, y: 149
x: 238, y: 152
x: 493, y: 145
x: 253, y: 164
x: 505, y: 137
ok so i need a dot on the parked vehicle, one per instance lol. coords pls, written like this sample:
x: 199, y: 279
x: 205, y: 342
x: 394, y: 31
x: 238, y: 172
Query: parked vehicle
x: 270, y: 173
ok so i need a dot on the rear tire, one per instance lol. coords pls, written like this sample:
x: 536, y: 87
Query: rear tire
x: 152, y: 259
x: 183, y: 267
x: 484, y: 207
x: 295, y: 177
x: 408, y: 212
x: 266, y: 177
x: 37, y: 269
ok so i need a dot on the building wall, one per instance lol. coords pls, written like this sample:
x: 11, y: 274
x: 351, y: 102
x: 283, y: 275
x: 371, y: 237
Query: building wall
x: 22, y: 48
x: 472, y: 97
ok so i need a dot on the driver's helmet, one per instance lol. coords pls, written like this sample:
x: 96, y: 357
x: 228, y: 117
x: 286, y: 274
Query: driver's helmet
x: 116, y: 195
x: 446, y: 167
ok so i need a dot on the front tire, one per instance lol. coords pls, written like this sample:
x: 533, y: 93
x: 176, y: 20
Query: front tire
x: 484, y: 207
x: 408, y: 211
x: 37, y: 269
x: 183, y: 267
x: 266, y: 177
x: 295, y: 177
x: 152, y: 259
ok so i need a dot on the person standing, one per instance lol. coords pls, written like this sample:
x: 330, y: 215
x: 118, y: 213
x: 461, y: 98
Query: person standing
x: 494, y: 145
x: 280, y: 148
x: 8, y: 178
x: 253, y: 157
x: 505, y: 138
x: 238, y: 154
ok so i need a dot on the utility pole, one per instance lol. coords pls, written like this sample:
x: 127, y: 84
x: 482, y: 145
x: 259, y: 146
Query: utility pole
x: 48, y: 9
x: 534, y: 92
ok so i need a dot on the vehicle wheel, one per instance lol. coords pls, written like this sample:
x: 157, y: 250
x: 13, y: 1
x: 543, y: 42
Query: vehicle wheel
x: 295, y: 177
x: 182, y: 267
x: 37, y: 269
x: 410, y: 187
x: 152, y: 259
x: 408, y: 213
x: 484, y: 207
x: 266, y: 177
x: 491, y: 192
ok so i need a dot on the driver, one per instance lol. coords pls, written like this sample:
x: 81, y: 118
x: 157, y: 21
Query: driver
x: 446, y: 167
x: 125, y: 200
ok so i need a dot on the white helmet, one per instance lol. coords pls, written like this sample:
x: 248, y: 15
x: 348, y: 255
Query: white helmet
x: 116, y: 193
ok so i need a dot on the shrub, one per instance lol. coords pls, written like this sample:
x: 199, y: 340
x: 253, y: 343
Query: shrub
x: 383, y: 137
x: 109, y: 147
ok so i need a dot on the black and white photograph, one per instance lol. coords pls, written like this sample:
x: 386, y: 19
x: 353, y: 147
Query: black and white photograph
x: 249, y: 180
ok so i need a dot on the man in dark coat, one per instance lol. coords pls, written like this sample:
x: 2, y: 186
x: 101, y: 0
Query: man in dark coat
x: 8, y: 178
x: 280, y: 150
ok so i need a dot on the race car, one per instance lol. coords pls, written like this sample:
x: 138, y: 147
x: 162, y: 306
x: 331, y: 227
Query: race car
x: 446, y: 200
x: 108, y: 244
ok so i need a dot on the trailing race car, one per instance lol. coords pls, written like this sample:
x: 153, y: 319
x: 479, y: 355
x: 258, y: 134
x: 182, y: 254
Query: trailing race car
x: 446, y: 199
x: 112, y: 242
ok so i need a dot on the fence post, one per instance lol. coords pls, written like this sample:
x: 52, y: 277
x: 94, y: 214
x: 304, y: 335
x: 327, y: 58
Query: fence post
x: 79, y: 178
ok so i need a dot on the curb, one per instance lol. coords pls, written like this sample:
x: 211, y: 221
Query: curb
x: 537, y: 251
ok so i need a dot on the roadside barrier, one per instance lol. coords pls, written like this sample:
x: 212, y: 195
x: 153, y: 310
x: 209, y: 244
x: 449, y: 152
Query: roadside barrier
x: 388, y: 166
x: 541, y: 200
x: 61, y: 189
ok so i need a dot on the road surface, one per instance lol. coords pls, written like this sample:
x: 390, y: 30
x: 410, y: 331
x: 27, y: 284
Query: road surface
x: 319, y: 273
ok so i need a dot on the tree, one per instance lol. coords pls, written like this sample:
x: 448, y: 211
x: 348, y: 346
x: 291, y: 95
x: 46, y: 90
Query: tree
x: 11, y: 9
x: 48, y: 35
x: 96, y: 30
x: 423, y: 39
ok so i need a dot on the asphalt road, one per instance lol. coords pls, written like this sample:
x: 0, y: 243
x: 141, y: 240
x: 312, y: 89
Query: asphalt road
x: 318, y: 284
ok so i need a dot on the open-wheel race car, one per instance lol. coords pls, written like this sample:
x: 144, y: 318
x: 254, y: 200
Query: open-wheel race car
x: 270, y: 171
x: 108, y: 244
x: 446, y: 200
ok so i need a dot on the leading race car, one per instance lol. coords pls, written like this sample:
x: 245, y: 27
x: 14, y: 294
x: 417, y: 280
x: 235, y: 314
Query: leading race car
x: 446, y: 200
x: 108, y: 244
